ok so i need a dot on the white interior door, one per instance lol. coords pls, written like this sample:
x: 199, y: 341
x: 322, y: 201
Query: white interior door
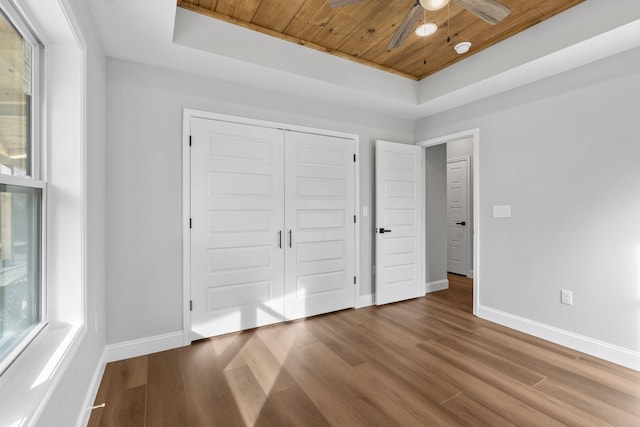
x: 399, y: 207
x: 237, y: 239
x: 457, y: 196
x: 319, y: 224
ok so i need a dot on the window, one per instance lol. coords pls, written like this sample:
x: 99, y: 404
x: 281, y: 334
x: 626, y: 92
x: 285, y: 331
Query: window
x: 21, y: 189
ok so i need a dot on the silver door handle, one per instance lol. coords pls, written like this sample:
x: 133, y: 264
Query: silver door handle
x: 290, y: 238
x: 280, y: 239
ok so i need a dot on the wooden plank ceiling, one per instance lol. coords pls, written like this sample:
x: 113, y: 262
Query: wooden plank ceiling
x: 362, y: 31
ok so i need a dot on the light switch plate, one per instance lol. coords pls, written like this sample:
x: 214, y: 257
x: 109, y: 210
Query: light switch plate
x: 502, y: 211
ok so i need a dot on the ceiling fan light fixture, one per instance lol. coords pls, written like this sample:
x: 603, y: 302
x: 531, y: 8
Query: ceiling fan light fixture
x: 462, y: 47
x: 433, y: 4
x: 427, y: 29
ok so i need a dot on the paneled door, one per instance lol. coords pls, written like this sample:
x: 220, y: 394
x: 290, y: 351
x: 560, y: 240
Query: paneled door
x: 457, y: 221
x: 237, y: 239
x: 399, y: 207
x: 319, y: 224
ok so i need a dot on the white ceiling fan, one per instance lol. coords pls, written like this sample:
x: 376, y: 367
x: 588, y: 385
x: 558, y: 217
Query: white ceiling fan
x: 488, y: 10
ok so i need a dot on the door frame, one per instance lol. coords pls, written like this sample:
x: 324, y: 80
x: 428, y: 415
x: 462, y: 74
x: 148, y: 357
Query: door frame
x: 467, y: 231
x: 475, y: 135
x: 187, y: 115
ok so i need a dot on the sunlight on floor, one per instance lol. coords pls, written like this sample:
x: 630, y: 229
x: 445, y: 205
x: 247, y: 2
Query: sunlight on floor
x: 251, y: 368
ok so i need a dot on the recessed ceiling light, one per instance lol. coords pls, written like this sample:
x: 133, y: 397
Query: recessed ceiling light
x: 433, y: 4
x: 462, y: 47
x: 426, y: 29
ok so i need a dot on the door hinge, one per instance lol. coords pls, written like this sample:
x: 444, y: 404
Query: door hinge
x: 354, y: 157
x: 354, y: 280
x: 190, y: 223
x: 189, y: 140
x: 190, y: 305
x: 354, y: 219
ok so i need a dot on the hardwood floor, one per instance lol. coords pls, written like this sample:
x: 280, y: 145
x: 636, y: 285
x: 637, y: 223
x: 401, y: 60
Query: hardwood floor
x: 426, y: 361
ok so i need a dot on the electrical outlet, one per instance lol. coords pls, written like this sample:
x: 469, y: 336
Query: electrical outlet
x: 566, y: 297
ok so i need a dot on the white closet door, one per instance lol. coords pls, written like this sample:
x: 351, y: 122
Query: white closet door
x: 399, y: 204
x: 237, y: 200
x: 319, y: 224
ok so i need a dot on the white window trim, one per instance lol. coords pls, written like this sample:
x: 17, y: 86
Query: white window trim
x: 34, y: 180
x: 27, y: 385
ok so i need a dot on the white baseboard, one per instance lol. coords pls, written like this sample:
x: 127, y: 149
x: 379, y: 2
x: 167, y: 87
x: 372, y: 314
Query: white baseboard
x: 364, y: 301
x: 438, y: 285
x: 83, y: 418
x: 612, y: 353
x: 369, y: 300
x: 142, y: 346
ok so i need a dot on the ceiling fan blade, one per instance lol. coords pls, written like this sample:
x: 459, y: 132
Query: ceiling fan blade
x: 488, y: 10
x: 406, y: 27
x: 339, y: 3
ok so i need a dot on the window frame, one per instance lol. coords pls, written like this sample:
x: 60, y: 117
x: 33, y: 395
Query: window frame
x: 35, y: 179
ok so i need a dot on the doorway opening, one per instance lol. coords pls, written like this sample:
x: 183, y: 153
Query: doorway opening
x: 451, y: 212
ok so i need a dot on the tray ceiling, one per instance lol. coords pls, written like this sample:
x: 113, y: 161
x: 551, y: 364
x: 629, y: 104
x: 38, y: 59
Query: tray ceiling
x: 361, y: 32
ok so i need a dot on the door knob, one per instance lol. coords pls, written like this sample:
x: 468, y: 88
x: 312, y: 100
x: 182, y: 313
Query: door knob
x: 382, y: 230
x: 461, y: 223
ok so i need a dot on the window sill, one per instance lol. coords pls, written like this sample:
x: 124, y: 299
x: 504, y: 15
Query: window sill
x: 27, y: 384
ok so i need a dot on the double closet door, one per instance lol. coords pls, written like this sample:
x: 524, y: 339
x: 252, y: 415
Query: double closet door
x: 272, y: 230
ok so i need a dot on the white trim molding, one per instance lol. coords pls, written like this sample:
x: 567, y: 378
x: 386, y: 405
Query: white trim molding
x: 187, y: 115
x: 92, y: 392
x: 438, y: 285
x: 143, y: 346
x: 612, y: 353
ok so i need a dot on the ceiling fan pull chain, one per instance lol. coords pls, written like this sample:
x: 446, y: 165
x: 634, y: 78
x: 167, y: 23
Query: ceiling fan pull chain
x: 425, y: 39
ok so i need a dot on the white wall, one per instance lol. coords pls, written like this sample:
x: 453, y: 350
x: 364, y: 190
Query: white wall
x: 460, y: 148
x: 436, y: 212
x: 144, y: 182
x: 564, y: 153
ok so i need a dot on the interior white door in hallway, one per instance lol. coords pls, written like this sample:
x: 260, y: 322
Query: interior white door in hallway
x: 272, y: 211
x: 399, y: 208
x: 237, y: 242
x: 457, y: 216
x: 319, y: 224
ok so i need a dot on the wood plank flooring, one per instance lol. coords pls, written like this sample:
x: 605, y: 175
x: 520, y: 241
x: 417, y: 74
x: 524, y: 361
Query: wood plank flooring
x: 426, y: 361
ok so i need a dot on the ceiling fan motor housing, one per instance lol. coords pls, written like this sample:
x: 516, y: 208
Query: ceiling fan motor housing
x: 433, y: 4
